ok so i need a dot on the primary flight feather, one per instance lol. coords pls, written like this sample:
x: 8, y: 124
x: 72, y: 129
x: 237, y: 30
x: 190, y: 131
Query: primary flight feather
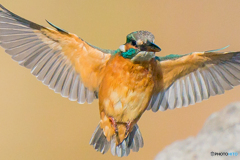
x: 127, y: 81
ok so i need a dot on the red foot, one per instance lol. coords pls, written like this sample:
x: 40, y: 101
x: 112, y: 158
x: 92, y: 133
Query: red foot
x: 128, y: 126
x: 114, y: 124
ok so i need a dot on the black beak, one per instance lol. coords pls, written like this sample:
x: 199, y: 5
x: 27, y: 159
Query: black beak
x: 150, y: 47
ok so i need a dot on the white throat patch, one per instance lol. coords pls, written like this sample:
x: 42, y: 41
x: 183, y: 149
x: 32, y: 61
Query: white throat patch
x: 143, y: 56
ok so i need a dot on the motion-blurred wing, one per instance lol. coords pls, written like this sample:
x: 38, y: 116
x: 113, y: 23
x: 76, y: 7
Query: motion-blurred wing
x: 61, y: 60
x: 185, y: 80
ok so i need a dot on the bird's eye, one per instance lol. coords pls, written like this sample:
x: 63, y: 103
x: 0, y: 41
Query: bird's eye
x: 134, y: 43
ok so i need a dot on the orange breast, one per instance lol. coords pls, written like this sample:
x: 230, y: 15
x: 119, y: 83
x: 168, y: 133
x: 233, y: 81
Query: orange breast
x: 126, y: 89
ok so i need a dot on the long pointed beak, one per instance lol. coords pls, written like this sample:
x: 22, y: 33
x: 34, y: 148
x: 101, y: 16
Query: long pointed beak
x: 150, y: 47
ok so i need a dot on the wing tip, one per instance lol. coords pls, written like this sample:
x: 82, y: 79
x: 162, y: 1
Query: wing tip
x: 20, y: 19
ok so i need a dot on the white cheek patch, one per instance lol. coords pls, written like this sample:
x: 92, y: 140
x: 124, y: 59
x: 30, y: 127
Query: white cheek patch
x: 122, y: 48
x: 143, y: 56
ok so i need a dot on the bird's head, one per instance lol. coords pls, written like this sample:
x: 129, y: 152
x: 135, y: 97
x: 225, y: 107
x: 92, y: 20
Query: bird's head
x: 139, y: 46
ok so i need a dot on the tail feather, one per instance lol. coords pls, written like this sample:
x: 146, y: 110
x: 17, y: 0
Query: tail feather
x: 122, y: 149
x: 99, y: 141
x: 133, y: 142
x: 136, y: 139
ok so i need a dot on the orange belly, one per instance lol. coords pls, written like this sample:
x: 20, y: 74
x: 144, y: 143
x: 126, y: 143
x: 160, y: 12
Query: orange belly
x: 126, y: 89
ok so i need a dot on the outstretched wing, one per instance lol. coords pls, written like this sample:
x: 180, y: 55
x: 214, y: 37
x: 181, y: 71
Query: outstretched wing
x: 59, y: 59
x: 185, y: 80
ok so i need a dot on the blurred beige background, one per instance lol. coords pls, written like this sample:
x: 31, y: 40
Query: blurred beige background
x: 38, y: 124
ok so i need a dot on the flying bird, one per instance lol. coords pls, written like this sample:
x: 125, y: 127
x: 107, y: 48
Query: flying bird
x: 127, y: 81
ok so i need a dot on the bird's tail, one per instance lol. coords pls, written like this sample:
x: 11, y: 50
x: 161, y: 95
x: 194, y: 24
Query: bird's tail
x: 133, y: 142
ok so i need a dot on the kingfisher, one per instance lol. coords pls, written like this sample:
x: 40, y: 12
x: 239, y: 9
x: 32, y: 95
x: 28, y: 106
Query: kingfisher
x: 127, y: 81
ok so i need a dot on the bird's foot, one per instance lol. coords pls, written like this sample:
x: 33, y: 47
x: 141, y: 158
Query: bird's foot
x: 128, y: 125
x: 114, y: 124
x: 107, y: 127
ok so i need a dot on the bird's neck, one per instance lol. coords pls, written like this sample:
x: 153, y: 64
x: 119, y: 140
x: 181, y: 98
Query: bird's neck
x: 129, y: 54
x: 135, y: 56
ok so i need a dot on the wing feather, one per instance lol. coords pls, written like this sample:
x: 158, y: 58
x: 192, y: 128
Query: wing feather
x: 189, y: 79
x: 184, y: 95
x: 61, y: 60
